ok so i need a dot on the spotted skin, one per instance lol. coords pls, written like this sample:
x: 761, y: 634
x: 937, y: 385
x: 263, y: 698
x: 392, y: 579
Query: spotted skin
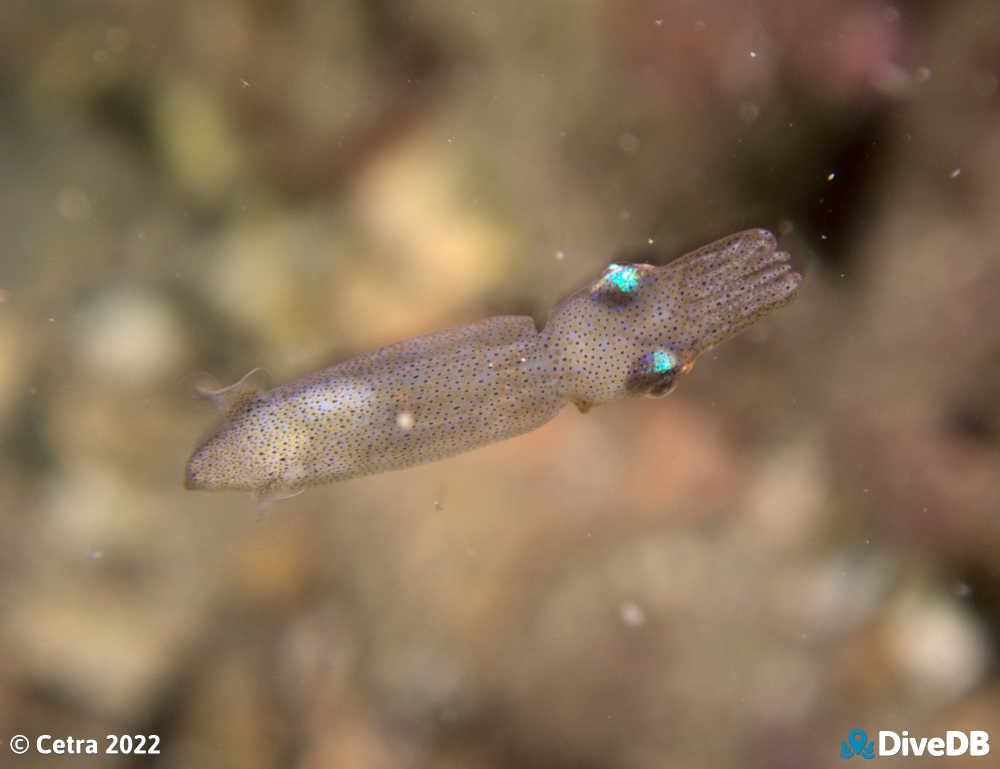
x: 633, y: 331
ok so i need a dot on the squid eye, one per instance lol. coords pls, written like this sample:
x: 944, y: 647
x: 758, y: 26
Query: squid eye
x: 664, y: 387
x: 624, y: 277
x: 620, y: 284
x: 653, y: 374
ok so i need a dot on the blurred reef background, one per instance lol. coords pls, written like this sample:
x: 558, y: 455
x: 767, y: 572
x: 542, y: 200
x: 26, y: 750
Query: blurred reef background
x: 801, y: 541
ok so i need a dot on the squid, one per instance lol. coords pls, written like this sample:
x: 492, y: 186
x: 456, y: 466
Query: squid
x: 633, y: 331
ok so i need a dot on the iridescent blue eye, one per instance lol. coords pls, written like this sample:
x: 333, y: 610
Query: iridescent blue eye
x: 653, y: 374
x: 619, y: 286
x: 623, y: 277
x: 662, y: 361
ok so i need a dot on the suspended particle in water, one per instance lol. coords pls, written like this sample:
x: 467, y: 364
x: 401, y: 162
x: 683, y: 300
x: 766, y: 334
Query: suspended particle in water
x: 632, y: 616
x: 749, y: 112
x: 628, y: 142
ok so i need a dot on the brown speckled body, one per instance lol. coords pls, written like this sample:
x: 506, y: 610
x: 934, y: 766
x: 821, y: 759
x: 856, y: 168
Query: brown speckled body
x: 633, y: 331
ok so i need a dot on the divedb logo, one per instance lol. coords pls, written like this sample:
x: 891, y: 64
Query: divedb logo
x: 953, y: 743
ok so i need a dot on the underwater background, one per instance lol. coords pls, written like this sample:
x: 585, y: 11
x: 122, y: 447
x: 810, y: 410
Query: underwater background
x: 799, y: 542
